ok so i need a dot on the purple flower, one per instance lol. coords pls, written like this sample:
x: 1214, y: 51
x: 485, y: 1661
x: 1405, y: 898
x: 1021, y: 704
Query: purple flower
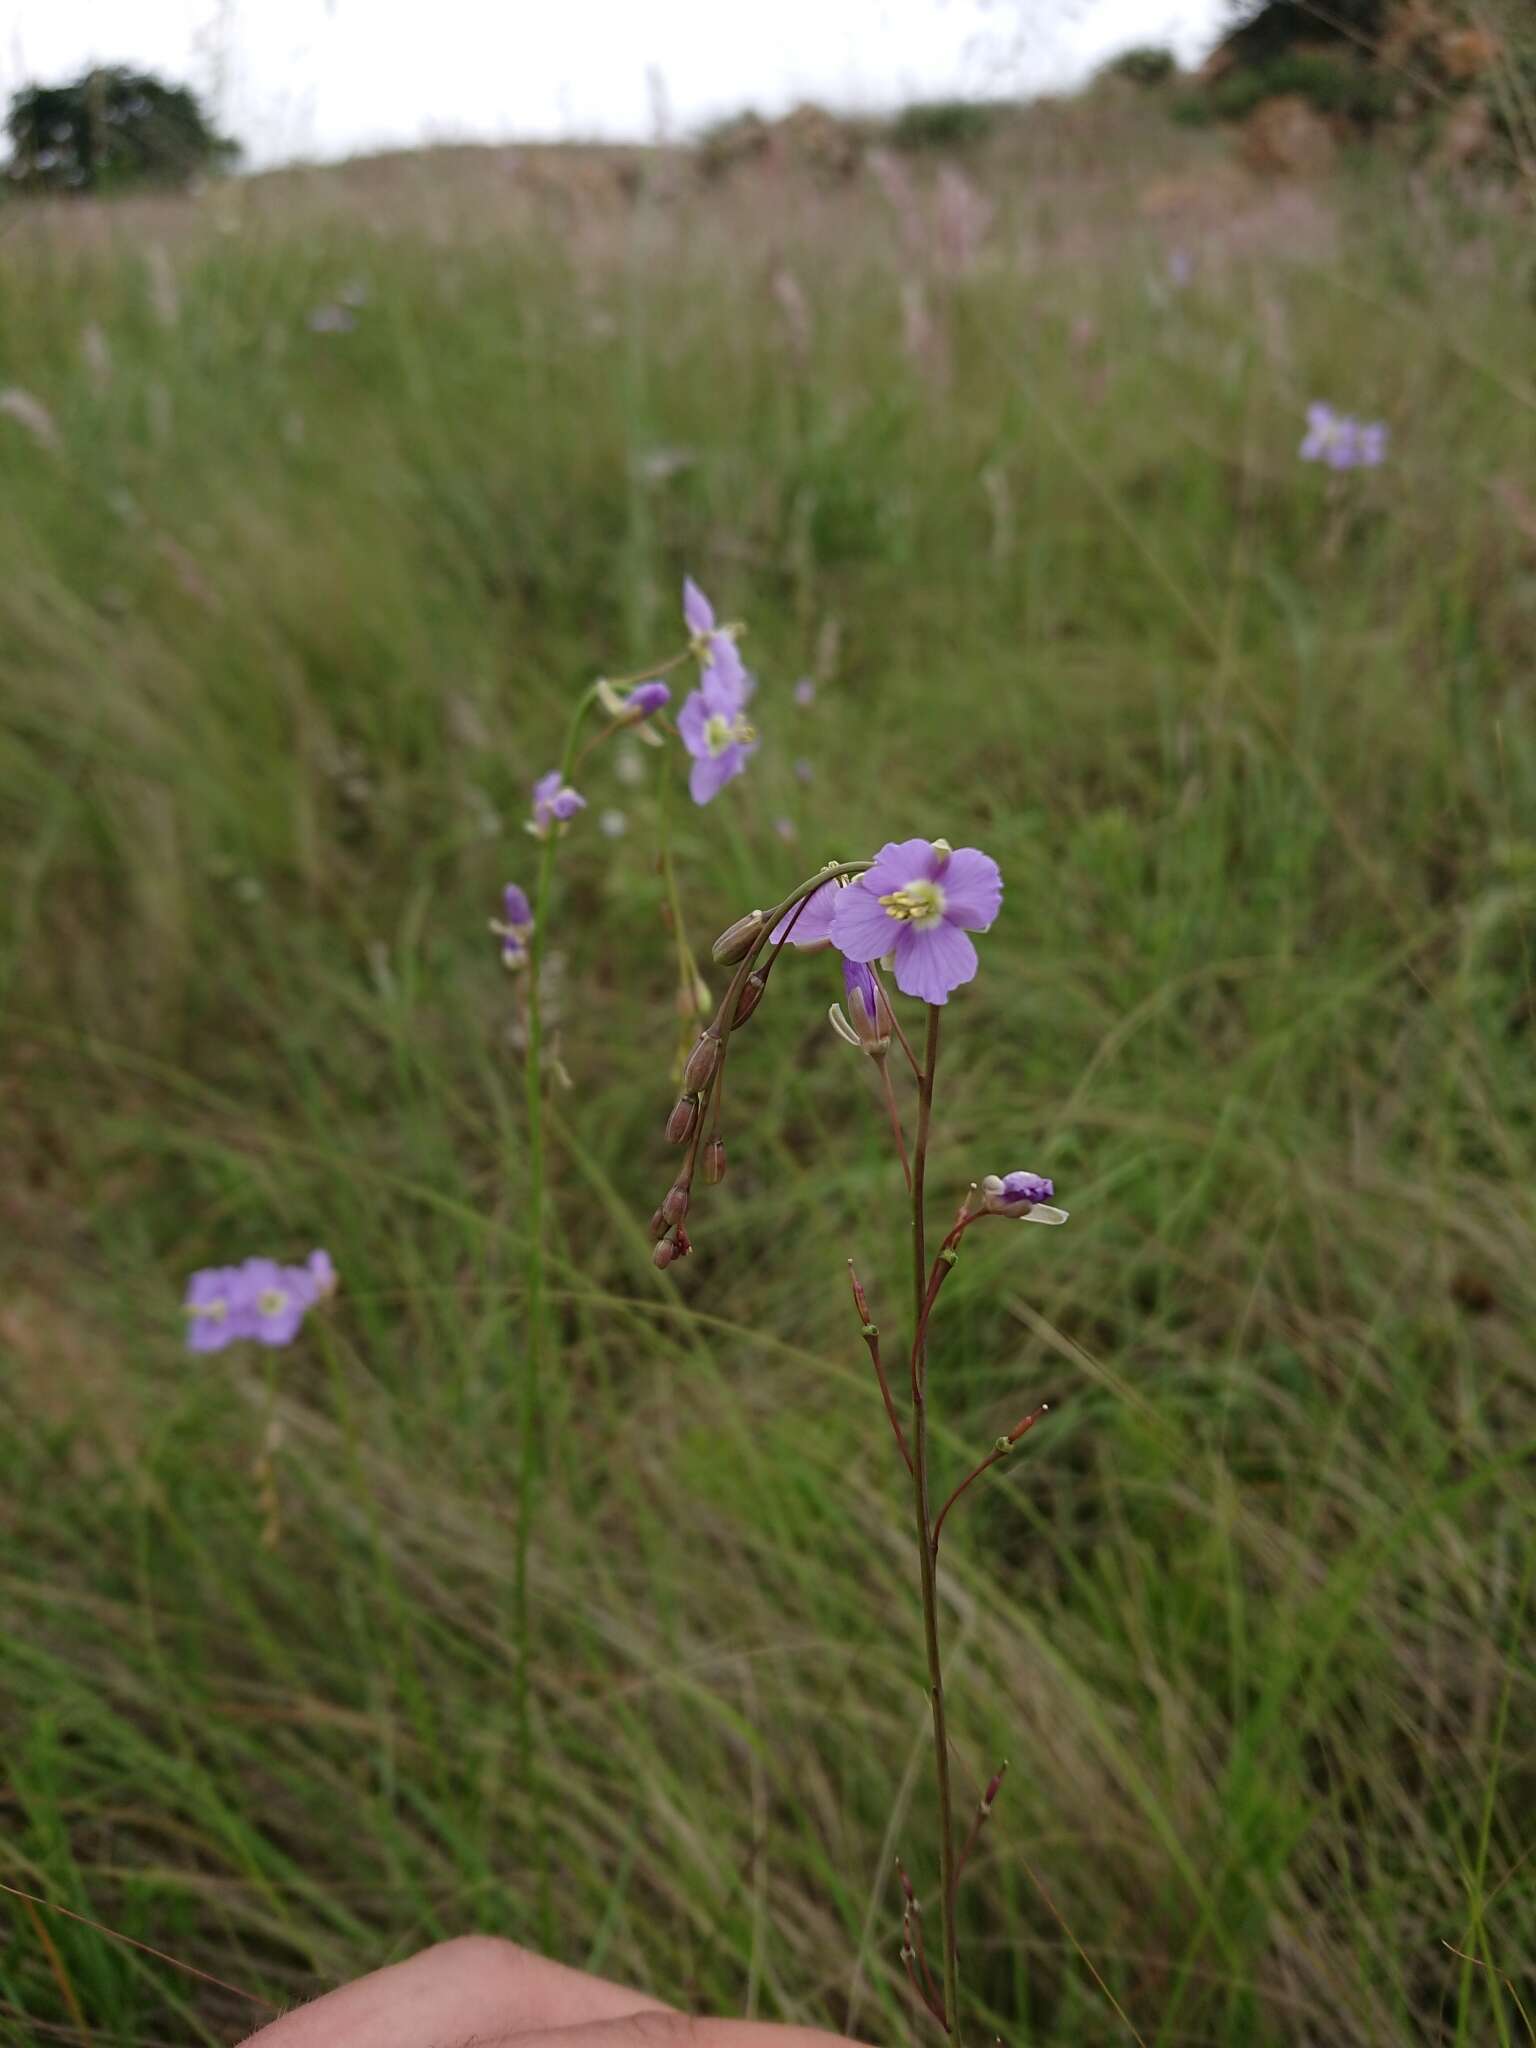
x: 1181, y: 267
x: 277, y: 1299
x: 715, y: 730
x: 322, y: 1274
x: 554, y: 804
x: 714, y: 644
x: 214, y: 1308
x: 805, y: 771
x: 917, y: 903
x: 805, y: 693
x: 1024, y: 1195
x: 514, y: 927
x: 1341, y: 442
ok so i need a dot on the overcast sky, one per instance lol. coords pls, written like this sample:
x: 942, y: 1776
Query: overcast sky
x: 328, y: 77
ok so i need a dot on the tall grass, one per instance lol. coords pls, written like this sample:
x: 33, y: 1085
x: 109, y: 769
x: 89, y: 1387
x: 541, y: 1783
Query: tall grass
x: 288, y: 622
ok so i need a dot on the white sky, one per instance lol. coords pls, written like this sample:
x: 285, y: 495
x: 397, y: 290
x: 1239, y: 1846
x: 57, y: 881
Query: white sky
x: 328, y: 77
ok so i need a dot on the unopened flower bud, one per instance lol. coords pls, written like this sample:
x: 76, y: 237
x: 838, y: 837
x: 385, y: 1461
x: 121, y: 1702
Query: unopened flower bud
x: 685, y: 1114
x: 702, y: 1061
x: 713, y: 1164
x: 664, y: 1254
x: 737, y: 940
x: 674, y: 1207
x: 658, y: 1223
x: 867, y: 1023
x: 750, y: 996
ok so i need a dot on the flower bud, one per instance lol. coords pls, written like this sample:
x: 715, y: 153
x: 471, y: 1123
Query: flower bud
x: 674, y: 1206
x: 658, y: 1223
x: 685, y: 1114
x: 702, y: 1061
x: 750, y: 997
x: 714, y: 1162
x: 737, y: 940
x: 664, y: 1254
x: 1025, y: 1195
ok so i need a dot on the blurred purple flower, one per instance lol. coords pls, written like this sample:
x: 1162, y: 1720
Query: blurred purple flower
x: 805, y: 693
x: 1181, y: 267
x: 917, y: 903
x: 805, y: 771
x: 714, y: 727
x: 276, y: 1300
x: 514, y: 927
x: 714, y: 644
x: 554, y: 804
x: 641, y: 703
x: 1342, y: 442
x: 214, y: 1308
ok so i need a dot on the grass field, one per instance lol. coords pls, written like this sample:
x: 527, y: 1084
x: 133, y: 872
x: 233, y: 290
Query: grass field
x: 290, y: 619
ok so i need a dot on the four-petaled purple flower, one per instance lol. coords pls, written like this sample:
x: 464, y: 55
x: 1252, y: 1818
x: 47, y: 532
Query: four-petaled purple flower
x: 260, y: 1300
x: 514, y: 927
x: 714, y: 728
x: 917, y: 903
x: 555, y: 803
x: 1341, y: 442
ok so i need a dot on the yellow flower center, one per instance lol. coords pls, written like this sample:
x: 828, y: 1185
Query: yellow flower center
x: 919, y: 903
x: 721, y: 732
x: 271, y: 1301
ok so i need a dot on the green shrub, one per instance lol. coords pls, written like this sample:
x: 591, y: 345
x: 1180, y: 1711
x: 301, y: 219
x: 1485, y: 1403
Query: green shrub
x: 943, y: 124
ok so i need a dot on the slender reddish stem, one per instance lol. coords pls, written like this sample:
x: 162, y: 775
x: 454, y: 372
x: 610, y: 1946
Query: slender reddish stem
x: 998, y: 1452
x: 983, y: 1814
x: 871, y: 1334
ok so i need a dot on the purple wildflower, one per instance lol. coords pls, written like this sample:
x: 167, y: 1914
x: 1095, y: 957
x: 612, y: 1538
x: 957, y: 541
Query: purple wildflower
x: 805, y: 693
x: 1181, y: 267
x: 322, y: 1274
x: 714, y: 729
x: 643, y: 702
x: 555, y: 803
x: 276, y: 1299
x: 917, y: 903
x: 215, y: 1308
x: 805, y: 771
x: 1023, y: 1195
x: 714, y: 644
x: 514, y: 927
x: 698, y: 612
x: 1341, y: 442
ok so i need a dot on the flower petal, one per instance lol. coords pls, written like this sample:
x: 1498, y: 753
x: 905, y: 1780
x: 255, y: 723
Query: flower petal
x: 860, y: 928
x: 931, y: 963
x: 709, y: 776
x: 898, y: 862
x: 723, y: 687
x: 813, y: 923
x: 691, y: 721
x: 973, y: 889
x: 698, y: 612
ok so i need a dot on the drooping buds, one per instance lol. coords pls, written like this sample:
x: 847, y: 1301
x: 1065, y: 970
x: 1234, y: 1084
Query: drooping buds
x: 658, y: 1225
x: 685, y: 1114
x: 750, y: 996
x: 674, y: 1207
x: 713, y: 1163
x: 737, y: 940
x: 677, y: 1246
x: 702, y: 1062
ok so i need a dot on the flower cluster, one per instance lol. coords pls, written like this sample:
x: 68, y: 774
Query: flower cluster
x: 555, y: 803
x: 1341, y: 442
x: 260, y: 1299
x: 712, y: 724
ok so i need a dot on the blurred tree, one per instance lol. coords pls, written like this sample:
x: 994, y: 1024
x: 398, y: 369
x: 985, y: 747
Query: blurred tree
x: 110, y: 129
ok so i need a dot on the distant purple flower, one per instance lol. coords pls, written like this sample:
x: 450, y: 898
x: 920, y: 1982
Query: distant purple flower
x: 698, y: 612
x: 514, y: 927
x: 1181, y: 267
x: 715, y: 731
x: 805, y: 771
x: 787, y: 830
x: 322, y: 1274
x: 214, y: 1308
x: 554, y: 804
x: 714, y: 644
x: 917, y: 903
x: 1341, y: 442
x: 276, y: 1299
x: 805, y: 693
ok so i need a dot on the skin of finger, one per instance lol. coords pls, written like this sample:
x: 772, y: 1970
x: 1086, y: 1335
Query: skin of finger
x: 474, y: 1989
x: 657, y: 2027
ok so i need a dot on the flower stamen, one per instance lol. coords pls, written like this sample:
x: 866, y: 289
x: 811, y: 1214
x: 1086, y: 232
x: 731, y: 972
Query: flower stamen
x: 919, y: 903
